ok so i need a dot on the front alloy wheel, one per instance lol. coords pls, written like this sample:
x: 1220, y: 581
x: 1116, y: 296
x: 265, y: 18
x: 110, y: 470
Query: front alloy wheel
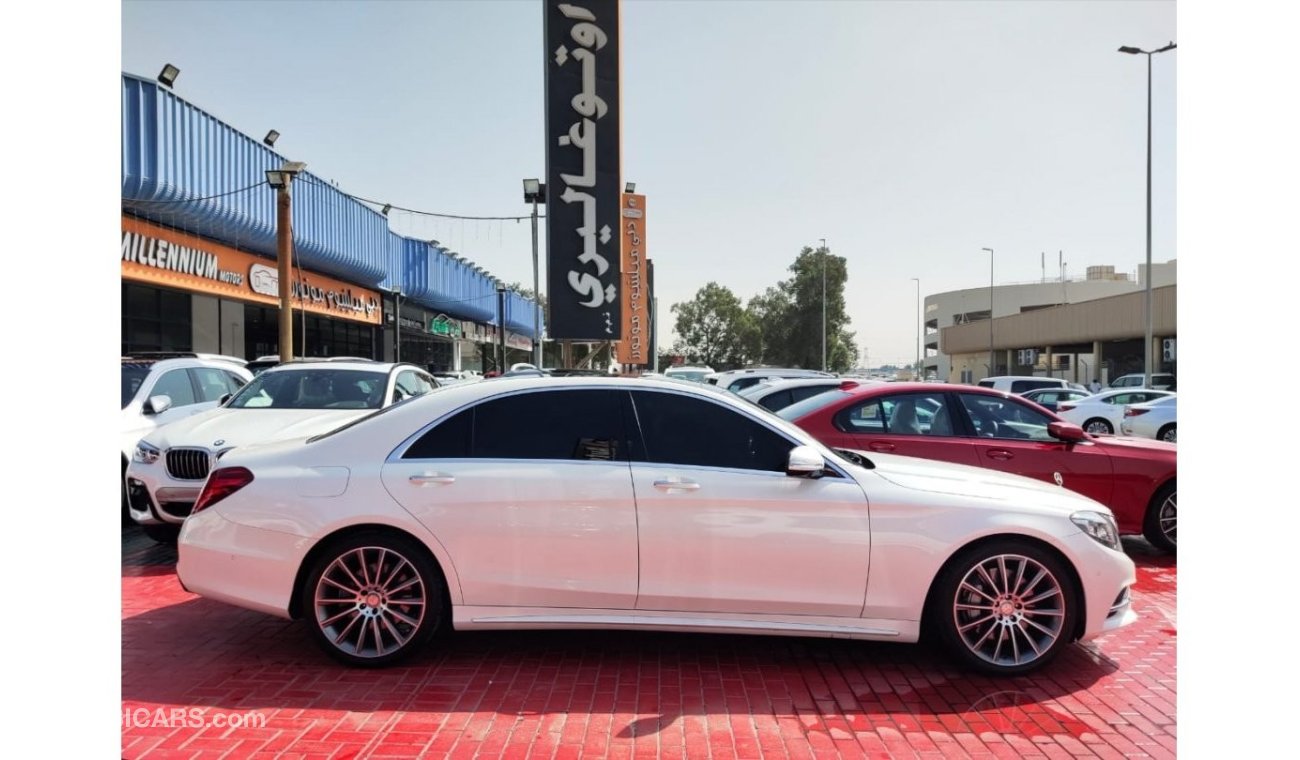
x: 1005, y: 609
x: 374, y: 599
x: 1161, y: 524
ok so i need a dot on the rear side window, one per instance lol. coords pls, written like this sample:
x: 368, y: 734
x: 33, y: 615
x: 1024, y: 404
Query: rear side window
x: 690, y: 431
x: 988, y: 383
x: 1020, y: 386
x: 555, y: 425
x: 743, y: 383
x: 774, y: 401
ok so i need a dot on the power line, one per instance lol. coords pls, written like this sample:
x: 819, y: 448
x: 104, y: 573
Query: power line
x: 196, y: 200
x: 427, y: 213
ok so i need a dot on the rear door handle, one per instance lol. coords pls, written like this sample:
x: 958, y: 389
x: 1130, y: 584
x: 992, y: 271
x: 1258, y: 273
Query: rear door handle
x: 677, y: 484
x: 880, y: 446
x: 1001, y: 455
x: 437, y: 478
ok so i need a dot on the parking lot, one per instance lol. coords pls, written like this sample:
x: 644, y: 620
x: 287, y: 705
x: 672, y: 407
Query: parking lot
x: 202, y: 679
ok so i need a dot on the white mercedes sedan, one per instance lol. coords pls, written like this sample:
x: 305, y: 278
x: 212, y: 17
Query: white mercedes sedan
x: 643, y: 504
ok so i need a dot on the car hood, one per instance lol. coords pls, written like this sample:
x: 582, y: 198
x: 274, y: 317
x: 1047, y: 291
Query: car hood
x: 1136, y: 447
x: 978, y: 483
x: 223, y: 428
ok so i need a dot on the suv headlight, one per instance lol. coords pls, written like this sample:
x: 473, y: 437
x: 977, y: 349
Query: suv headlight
x: 1101, y: 527
x: 146, y: 453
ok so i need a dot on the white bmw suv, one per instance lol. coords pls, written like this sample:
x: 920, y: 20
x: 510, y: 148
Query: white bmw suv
x: 301, y: 398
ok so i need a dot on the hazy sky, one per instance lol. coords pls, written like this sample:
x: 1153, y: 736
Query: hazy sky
x: 908, y: 134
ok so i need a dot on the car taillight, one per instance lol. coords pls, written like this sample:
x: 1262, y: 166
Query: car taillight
x: 1131, y: 412
x: 1064, y: 407
x: 221, y: 483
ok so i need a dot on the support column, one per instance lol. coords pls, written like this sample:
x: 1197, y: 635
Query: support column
x: 1047, y: 353
x: 1098, y: 365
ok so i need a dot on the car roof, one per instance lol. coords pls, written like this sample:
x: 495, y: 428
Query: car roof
x: 365, y: 365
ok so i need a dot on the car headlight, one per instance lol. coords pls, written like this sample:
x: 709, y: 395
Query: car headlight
x: 1101, y: 527
x: 146, y: 453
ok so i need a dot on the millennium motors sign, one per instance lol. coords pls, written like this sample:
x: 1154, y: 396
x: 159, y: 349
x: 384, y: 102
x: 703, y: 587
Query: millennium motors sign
x: 582, y: 169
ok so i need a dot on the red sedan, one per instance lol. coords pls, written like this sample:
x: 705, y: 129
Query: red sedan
x: 986, y: 428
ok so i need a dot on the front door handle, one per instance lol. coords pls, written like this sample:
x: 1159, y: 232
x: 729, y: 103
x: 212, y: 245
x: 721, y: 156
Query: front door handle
x: 436, y: 478
x: 880, y: 446
x: 677, y: 484
x: 1001, y: 455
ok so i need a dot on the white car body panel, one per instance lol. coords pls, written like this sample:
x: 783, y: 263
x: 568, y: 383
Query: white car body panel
x: 517, y: 548
x: 1148, y: 425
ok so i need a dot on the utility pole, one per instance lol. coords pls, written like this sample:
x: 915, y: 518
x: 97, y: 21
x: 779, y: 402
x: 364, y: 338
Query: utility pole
x: 501, y: 324
x: 280, y: 179
x: 992, y: 364
x: 823, y: 304
x: 917, y: 280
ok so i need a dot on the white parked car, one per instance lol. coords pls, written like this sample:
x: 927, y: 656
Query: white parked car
x: 739, y: 379
x: 778, y: 393
x: 1101, y: 414
x: 1023, y: 383
x: 1159, y: 381
x: 168, y: 466
x: 640, y: 504
x: 159, y: 388
x: 694, y: 373
x: 1154, y: 419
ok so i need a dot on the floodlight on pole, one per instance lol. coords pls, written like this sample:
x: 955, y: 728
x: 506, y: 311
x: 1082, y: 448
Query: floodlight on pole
x: 270, y: 138
x: 167, y: 77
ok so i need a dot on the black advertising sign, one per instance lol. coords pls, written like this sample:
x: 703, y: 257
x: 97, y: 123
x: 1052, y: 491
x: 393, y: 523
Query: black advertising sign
x: 582, y: 169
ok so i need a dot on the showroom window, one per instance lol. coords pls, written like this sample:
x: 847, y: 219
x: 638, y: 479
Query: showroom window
x: 685, y: 430
x: 155, y: 320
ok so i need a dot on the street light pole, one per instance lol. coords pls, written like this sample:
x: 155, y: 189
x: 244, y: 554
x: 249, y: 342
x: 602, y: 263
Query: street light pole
x: 280, y: 179
x: 917, y: 280
x: 823, y: 304
x: 535, y: 191
x: 1146, y: 348
x: 992, y: 364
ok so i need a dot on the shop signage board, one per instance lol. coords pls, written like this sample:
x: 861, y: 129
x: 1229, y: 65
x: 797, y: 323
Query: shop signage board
x: 582, y: 169
x: 634, y: 348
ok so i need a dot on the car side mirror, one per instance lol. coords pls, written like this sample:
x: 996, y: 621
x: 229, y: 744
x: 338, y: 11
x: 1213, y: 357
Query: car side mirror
x: 1066, y: 431
x: 222, y: 401
x: 805, y: 462
x: 157, y: 404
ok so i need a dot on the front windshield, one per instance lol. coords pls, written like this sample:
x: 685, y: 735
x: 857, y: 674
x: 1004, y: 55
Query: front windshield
x: 313, y: 389
x: 810, y: 405
x: 133, y: 376
x: 695, y: 376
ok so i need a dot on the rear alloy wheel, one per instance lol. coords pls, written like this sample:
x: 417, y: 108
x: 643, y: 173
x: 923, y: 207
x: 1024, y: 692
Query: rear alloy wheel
x: 1005, y: 608
x: 1168, y: 433
x: 1098, y: 426
x: 373, y: 599
x: 1161, y: 523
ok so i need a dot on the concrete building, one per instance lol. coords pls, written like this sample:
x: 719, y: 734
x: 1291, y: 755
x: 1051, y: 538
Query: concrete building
x: 1076, y: 329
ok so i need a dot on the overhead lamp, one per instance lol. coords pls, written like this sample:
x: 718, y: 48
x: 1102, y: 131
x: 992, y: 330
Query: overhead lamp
x: 1130, y: 50
x: 270, y: 138
x: 389, y: 207
x: 168, y: 75
x: 280, y: 178
x: 534, y: 191
x: 629, y: 187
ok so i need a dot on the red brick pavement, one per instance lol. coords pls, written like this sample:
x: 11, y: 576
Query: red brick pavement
x: 624, y: 695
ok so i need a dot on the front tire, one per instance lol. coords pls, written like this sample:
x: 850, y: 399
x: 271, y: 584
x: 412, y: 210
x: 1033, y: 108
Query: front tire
x: 1004, y: 608
x: 373, y: 599
x: 1098, y: 426
x: 1160, y: 526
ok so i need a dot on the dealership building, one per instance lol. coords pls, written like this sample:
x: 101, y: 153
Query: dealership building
x: 199, y: 270
x: 1079, y: 330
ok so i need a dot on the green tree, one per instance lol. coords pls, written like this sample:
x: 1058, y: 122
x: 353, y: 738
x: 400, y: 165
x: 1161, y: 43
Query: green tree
x: 768, y: 316
x: 713, y: 328
x: 802, y: 345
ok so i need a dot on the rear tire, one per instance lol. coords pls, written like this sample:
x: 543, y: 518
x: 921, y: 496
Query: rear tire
x: 373, y: 598
x: 1168, y: 433
x: 1004, y: 608
x: 1160, y: 526
x: 163, y: 533
x: 1098, y: 426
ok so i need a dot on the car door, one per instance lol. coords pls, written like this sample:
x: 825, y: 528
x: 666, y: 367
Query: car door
x: 916, y: 424
x: 531, y: 494
x: 1012, y: 436
x: 724, y: 529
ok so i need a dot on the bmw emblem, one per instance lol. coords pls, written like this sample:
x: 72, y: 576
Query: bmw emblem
x: 220, y: 441
x: 1060, y: 481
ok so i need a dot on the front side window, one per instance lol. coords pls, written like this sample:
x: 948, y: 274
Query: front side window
x: 212, y: 383
x: 410, y: 384
x: 313, y: 389
x: 176, y: 386
x: 995, y: 417
x: 678, y: 429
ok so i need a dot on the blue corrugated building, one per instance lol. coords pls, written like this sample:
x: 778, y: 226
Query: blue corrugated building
x: 199, y: 245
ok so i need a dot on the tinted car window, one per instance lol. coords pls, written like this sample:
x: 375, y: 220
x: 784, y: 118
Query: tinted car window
x: 449, y: 439
x: 808, y: 391
x: 233, y: 382
x: 743, y: 383
x: 684, y: 430
x: 866, y: 418
x: 774, y: 401
x: 559, y: 424
x: 987, y: 383
x: 811, y: 404
x: 995, y: 417
x: 175, y: 384
x: 133, y: 376
x: 1020, y: 386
